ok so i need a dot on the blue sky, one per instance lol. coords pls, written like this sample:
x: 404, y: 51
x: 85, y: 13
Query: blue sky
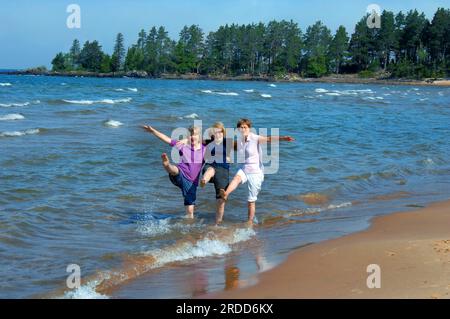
x: 32, y: 32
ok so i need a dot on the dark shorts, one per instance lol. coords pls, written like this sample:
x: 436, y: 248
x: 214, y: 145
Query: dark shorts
x: 188, y: 188
x: 221, y: 178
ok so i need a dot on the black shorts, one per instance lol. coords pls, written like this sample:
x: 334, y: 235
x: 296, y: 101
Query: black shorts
x: 221, y: 178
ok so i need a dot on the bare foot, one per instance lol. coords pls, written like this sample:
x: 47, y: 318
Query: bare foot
x: 202, y: 182
x: 223, y: 195
x: 165, y: 160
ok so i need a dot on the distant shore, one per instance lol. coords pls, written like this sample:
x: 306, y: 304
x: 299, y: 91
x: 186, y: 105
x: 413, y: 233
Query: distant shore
x: 412, y: 250
x: 347, y: 78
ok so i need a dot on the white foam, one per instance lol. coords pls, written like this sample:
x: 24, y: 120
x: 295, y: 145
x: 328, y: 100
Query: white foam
x: 242, y: 234
x: 12, y: 117
x: 127, y: 89
x: 104, y: 101
x: 203, y: 248
x: 266, y: 96
x: 113, y: 123
x: 336, y: 206
x: 344, y: 92
x: 110, y: 101
x: 155, y: 227
x: 211, y: 245
x: 380, y: 98
x: 5, y: 84
x: 107, y: 101
x: 220, y: 93
x: 190, y: 116
x: 14, y: 104
x: 86, y: 102
x: 19, y: 133
x: 249, y: 91
x: 208, y: 246
x: 272, y: 85
x: 329, y: 207
x: 86, y: 291
x: 348, y: 92
x: 228, y: 93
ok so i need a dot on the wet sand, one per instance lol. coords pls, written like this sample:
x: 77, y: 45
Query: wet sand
x: 411, y: 248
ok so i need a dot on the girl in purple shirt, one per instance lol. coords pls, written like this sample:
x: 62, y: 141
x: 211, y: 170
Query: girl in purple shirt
x: 185, y: 175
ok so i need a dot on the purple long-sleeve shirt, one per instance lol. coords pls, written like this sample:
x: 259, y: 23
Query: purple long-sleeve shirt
x: 191, y: 161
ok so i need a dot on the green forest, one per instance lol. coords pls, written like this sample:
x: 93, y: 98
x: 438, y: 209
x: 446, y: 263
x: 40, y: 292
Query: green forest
x: 407, y: 45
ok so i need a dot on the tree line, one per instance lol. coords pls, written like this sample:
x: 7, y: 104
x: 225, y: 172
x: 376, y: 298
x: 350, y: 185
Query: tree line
x: 406, y: 45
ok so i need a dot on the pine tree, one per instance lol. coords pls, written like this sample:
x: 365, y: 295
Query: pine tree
x: 360, y: 44
x: 118, y: 56
x: 75, y: 54
x: 317, y: 42
x: 292, y: 47
x: 387, y: 41
x: 437, y: 39
x: 58, y: 62
x: 91, y: 56
x: 338, y: 50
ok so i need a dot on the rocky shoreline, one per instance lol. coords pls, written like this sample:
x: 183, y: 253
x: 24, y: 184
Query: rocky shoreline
x: 291, y: 78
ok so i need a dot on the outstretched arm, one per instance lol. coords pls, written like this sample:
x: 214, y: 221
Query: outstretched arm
x: 268, y: 139
x: 158, y: 134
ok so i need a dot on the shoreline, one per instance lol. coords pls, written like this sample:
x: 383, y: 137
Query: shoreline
x: 345, y: 79
x: 412, y: 249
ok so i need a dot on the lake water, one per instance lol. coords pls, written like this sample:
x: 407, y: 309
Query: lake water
x: 81, y: 183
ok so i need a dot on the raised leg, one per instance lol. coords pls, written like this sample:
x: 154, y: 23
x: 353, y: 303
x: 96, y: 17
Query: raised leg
x: 207, y: 176
x: 233, y: 185
x: 171, y: 169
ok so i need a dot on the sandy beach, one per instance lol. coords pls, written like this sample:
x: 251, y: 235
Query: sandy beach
x: 411, y: 248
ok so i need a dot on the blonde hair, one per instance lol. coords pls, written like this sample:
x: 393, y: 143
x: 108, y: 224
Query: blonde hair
x: 220, y: 126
